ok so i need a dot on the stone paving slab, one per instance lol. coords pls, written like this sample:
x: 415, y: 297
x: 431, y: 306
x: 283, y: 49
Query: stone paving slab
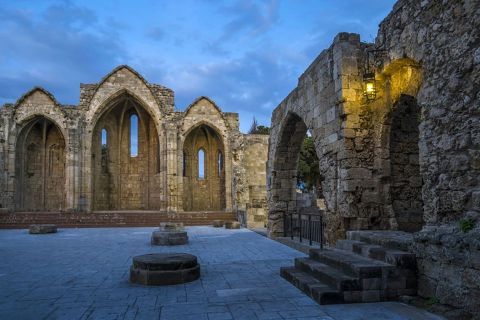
x: 83, y: 274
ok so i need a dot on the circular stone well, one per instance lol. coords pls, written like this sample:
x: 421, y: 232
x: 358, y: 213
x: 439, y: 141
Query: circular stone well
x: 42, y: 228
x: 157, y: 269
x: 169, y: 234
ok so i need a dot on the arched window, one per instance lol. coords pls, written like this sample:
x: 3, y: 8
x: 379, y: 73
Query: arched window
x: 220, y: 163
x: 104, y: 138
x: 104, y: 160
x: 158, y: 156
x: 201, y: 164
x: 184, y: 164
x: 133, y: 135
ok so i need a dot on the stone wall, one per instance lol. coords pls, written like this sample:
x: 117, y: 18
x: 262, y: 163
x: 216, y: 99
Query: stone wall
x: 320, y: 103
x: 443, y: 38
x: 420, y: 133
x: 65, y: 166
x: 252, y: 199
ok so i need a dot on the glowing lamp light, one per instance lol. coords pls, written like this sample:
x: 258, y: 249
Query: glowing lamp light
x: 369, y: 88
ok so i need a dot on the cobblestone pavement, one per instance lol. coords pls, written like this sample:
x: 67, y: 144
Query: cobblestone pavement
x: 83, y: 274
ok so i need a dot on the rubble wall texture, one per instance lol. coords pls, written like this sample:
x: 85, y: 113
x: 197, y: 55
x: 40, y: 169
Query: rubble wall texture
x: 420, y: 133
x: 443, y: 37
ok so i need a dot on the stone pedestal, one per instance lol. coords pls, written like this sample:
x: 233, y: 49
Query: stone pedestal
x: 218, y: 223
x: 232, y: 225
x: 42, y: 228
x: 169, y: 234
x: 172, y: 226
x: 159, y: 269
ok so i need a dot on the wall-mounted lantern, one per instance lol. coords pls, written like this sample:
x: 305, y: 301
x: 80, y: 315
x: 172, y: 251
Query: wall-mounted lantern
x: 369, y: 86
x: 369, y: 83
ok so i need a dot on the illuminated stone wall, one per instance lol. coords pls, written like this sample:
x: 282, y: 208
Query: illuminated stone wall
x: 407, y: 160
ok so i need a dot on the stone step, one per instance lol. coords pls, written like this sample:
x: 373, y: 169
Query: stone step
x: 351, y: 263
x: 328, y: 275
x: 395, y: 240
x: 398, y: 258
x: 314, y: 288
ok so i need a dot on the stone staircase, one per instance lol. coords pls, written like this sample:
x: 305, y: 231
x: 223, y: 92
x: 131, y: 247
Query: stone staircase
x: 368, y: 266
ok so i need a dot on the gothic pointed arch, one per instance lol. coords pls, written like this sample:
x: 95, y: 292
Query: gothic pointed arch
x: 40, y: 166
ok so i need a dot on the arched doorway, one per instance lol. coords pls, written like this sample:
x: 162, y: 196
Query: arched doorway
x: 203, y: 170
x: 126, y: 158
x: 309, y: 181
x: 294, y: 187
x: 406, y: 180
x: 297, y: 167
x: 40, y: 167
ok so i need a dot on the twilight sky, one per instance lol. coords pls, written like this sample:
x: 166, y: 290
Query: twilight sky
x: 246, y: 55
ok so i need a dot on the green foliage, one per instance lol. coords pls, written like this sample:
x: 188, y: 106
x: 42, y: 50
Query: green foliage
x: 466, y: 225
x: 256, y: 129
x: 262, y: 130
x: 431, y: 301
x: 308, y: 170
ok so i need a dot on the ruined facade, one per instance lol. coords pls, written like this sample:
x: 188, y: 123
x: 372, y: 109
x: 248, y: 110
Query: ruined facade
x: 125, y: 147
x: 407, y: 160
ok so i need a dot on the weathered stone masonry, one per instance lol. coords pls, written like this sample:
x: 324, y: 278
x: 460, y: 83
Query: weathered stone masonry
x: 80, y: 158
x: 421, y: 133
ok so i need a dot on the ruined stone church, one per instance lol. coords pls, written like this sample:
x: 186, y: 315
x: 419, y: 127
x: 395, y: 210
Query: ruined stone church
x: 396, y: 128
x: 125, y: 147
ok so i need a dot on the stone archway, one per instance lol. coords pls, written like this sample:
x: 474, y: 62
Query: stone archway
x: 284, y: 195
x: 40, y: 167
x: 406, y: 181
x: 284, y: 175
x: 126, y: 172
x: 203, y: 170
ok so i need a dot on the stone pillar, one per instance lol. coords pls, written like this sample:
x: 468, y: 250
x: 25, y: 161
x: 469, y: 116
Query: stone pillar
x: 72, y: 169
x: 172, y: 167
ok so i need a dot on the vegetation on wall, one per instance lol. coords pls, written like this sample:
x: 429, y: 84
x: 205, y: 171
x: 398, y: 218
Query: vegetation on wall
x: 308, y: 171
x: 466, y: 225
x: 258, y: 129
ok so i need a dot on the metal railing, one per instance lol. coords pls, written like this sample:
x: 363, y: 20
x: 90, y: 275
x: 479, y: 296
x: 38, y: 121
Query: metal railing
x: 305, y: 226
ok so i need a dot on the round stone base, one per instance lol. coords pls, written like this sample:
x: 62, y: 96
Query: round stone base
x: 232, y: 225
x: 172, y: 226
x: 169, y: 238
x: 158, y: 269
x: 218, y: 223
x: 42, y: 228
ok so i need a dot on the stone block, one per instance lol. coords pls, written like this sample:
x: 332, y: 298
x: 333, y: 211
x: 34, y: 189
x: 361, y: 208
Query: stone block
x: 169, y: 238
x: 232, y: 225
x: 172, y: 226
x: 42, y: 228
x: 218, y: 223
x: 370, y: 295
x: 372, y: 284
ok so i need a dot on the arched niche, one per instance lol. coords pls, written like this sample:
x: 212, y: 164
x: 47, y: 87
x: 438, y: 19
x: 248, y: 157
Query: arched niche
x: 203, y: 173
x: 125, y: 158
x: 40, y: 167
x: 397, y: 153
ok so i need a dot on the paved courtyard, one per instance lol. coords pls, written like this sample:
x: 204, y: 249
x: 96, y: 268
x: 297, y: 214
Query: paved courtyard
x: 83, y: 274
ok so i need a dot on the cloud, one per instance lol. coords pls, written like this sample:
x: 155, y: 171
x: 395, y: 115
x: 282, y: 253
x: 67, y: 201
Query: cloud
x: 253, y: 84
x: 156, y: 33
x: 249, y: 18
x: 59, y: 48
